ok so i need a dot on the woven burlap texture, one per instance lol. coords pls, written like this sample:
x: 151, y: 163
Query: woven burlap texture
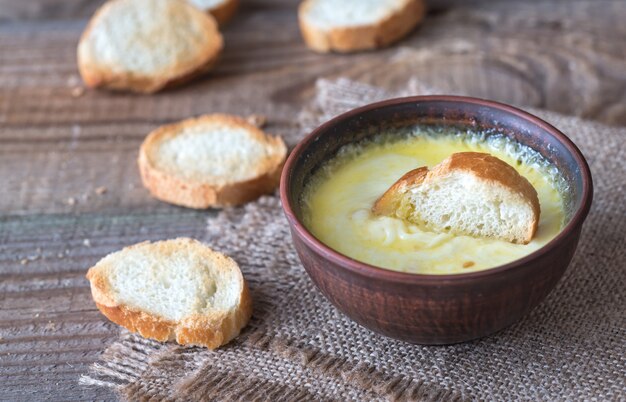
x: 299, y: 347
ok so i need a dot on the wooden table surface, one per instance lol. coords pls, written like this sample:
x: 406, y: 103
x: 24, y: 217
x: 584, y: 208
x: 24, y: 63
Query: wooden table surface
x: 58, y: 146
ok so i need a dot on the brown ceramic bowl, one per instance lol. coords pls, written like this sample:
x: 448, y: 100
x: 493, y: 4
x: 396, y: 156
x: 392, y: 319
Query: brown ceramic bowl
x: 436, y: 309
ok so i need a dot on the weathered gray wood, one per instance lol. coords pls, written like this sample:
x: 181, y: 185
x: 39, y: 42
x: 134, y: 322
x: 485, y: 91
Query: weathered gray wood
x: 56, y: 147
x: 50, y: 331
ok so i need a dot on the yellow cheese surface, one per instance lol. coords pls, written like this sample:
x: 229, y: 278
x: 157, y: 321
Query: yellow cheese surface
x: 338, y: 202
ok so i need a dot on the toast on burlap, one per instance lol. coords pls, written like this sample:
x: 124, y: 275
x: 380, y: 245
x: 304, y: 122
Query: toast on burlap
x: 173, y: 290
x: 469, y: 193
x: 354, y: 25
x: 211, y: 161
x: 221, y: 10
x: 146, y: 45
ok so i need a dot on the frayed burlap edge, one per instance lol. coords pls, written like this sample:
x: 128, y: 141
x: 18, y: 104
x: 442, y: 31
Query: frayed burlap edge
x: 124, y: 362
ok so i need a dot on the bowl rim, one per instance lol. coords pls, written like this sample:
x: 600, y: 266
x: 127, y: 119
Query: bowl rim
x: 375, y: 272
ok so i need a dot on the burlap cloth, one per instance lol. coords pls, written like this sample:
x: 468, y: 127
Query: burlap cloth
x: 299, y: 347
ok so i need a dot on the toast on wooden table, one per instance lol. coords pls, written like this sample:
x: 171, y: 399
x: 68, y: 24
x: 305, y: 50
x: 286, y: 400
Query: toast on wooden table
x: 173, y: 290
x: 354, y: 25
x: 469, y: 193
x: 146, y: 45
x: 221, y: 10
x: 211, y: 161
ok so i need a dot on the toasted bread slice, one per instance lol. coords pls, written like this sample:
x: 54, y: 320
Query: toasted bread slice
x: 354, y: 25
x: 469, y: 193
x: 173, y: 290
x: 146, y: 45
x: 221, y: 10
x: 212, y: 161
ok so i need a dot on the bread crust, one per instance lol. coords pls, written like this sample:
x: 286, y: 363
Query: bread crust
x: 97, y: 76
x: 482, y: 165
x: 200, y: 195
x: 363, y: 37
x: 211, y: 330
x: 389, y: 202
x: 225, y: 11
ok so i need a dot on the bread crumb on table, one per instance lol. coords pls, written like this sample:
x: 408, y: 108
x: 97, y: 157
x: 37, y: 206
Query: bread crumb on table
x: 73, y: 80
x: 77, y: 92
x: 257, y: 120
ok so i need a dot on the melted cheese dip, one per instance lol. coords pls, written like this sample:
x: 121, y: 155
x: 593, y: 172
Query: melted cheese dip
x: 339, y: 198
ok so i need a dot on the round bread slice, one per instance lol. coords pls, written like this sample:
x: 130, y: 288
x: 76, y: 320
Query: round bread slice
x: 211, y: 161
x: 146, y: 45
x: 469, y: 193
x: 354, y: 25
x: 173, y: 290
x: 222, y: 10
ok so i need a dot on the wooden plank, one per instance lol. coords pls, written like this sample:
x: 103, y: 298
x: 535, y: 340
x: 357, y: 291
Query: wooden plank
x: 564, y: 57
x: 492, y: 52
x: 567, y: 56
x: 12, y: 10
x: 46, y: 9
x: 50, y: 330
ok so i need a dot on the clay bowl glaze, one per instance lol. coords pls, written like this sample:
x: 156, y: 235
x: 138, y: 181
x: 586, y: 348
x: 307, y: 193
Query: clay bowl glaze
x: 436, y: 309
